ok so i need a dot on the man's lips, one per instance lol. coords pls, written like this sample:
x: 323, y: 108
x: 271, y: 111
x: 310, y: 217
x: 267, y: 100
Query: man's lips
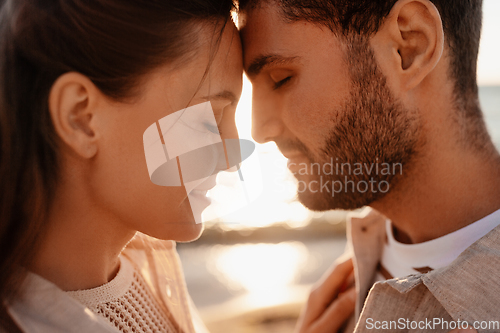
x: 292, y: 155
x: 294, y: 160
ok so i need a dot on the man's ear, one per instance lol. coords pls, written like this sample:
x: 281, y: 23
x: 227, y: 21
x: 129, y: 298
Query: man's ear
x: 410, y: 42
x: 72, y: 104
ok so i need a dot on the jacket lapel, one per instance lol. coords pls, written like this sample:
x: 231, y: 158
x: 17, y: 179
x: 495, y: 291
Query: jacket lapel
x: 366, y: 233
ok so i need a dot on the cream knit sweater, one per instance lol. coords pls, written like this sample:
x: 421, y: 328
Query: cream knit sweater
x: 127, y: 303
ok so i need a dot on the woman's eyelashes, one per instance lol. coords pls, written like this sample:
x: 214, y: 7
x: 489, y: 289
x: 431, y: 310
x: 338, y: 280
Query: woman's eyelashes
x: 215, y: 128
x: 212, y: 128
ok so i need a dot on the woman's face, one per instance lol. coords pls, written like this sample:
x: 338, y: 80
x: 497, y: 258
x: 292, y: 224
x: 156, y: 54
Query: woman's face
x: 120, y: 181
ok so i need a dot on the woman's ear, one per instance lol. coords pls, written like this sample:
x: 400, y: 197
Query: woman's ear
x: 72, y: 104
x: 410, y: 42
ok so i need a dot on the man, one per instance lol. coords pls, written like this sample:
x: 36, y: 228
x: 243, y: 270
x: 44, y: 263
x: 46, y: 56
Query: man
x: 375, y: 103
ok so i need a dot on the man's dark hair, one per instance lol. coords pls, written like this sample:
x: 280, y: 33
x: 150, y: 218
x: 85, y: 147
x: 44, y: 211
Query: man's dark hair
x: 461, y: 23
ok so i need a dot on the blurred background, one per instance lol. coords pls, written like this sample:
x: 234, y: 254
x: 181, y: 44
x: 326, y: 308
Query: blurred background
x: 252, y: 271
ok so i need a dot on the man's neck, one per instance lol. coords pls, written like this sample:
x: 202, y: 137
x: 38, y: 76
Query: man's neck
x: 448, y: 191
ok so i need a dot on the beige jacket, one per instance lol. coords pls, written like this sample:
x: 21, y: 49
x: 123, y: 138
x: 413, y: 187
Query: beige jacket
x: 46, y: 308
x: 466, y: 290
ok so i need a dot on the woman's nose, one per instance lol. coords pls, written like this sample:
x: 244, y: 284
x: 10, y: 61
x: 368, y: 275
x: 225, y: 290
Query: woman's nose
x: 236, y: 151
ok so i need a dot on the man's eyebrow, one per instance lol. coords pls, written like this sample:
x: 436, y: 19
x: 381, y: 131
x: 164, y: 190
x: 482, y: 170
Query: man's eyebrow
x: 263, y: 61
x: 226, y: 94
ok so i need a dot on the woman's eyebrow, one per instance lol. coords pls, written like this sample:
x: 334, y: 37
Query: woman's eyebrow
x: 226, y: 94
x: 261, y: 62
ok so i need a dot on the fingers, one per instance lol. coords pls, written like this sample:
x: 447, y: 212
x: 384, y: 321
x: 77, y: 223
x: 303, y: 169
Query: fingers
x: 325, y: 308
x: 331, y: 283
x: 326, y: 291
x: 337, y: 313
x: 348, y: 283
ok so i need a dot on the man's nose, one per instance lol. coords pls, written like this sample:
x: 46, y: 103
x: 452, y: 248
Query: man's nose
x: 266, y: 119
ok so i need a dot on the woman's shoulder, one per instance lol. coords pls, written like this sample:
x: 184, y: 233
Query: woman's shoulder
x: 44, y: 307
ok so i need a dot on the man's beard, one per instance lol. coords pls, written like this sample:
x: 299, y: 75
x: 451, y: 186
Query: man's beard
x: 373, y: 130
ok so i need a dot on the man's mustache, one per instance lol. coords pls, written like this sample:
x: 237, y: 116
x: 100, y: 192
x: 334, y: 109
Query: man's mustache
x: 288, y: 147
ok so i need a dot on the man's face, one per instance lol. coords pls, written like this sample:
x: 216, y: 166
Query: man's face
x: 326, y: 104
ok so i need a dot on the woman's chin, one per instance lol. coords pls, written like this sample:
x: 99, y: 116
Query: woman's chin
x: 188, y: 232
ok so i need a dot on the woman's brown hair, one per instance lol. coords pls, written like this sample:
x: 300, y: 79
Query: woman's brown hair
x: 114, y: 43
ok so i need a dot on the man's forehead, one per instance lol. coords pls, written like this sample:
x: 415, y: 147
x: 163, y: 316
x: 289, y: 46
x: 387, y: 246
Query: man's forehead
x: 255, y: 10
x: 265, y: 16
x: 268, y: 39
x: 264, y: 32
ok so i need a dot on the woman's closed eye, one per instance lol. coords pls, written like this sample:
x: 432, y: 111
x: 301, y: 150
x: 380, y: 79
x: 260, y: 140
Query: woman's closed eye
x: 212, y: 128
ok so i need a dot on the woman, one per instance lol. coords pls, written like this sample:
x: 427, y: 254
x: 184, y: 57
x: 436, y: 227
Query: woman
x: 81, y: 81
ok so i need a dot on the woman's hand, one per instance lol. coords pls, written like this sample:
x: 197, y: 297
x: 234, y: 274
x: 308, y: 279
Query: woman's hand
x: 331, y: 301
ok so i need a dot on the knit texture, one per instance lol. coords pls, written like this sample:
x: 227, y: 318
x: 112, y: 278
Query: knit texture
x: 127, y: 303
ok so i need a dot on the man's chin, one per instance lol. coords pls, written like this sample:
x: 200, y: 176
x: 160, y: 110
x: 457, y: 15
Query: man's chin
x: 320, y: 201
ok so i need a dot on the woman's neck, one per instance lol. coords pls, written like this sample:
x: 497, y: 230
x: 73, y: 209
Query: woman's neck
x: 81, y: 243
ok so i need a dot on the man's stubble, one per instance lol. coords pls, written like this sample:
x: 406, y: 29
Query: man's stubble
x: 371, y: 128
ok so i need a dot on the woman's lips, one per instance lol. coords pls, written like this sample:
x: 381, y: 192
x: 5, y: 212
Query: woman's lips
x: 198, y: 201
x: 201, y: 196
x: 199, y: 192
